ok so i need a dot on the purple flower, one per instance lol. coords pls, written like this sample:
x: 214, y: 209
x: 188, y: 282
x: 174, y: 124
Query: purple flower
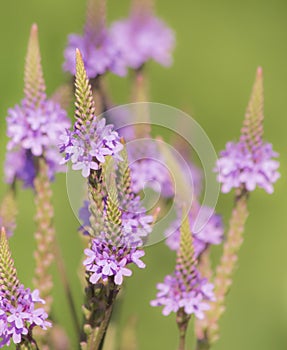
x: 100, y: 54
x: 88, y: 148
x: 173, y: 295
x: 111, y: 252
x: 211, y: 233
x: 33, y: 132
x: 238, y: 166
x: 19, y: 317
x: 104, y: 261
x: 148, y: 168
x: 143, y: 37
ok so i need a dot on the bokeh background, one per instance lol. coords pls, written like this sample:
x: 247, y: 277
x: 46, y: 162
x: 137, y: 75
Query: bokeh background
x: 219, y: 46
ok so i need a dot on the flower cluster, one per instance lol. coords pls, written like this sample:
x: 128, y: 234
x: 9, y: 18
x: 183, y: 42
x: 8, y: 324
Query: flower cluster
x: 211, y: 232
x: 127, y: 43
x: 19, y: 316
x: 173, y: 295
x: 238, y: 166
x: 34, y: 132
x: 104, y: 261
x: 87, y: 147
x: 185, y: 289
x: 143, y: 37
x: 148, y: 167
x: 100, y: 54
x: 249, y: 162
x: 110, y: 252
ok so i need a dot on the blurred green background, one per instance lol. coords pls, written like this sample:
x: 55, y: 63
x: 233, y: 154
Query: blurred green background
x: 219, y: 46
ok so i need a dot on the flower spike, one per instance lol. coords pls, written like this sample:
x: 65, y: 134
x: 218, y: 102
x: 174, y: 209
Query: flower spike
x: 34, y: 84
x: 185, y: 262
x: 85, y: 105
x: 18, y: 314
x: 252, y: 130
x: 8, y: 276
x: 249, y: 163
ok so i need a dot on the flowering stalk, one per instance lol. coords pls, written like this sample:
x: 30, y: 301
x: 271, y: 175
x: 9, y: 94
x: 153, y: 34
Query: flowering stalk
x: 45, y: 240
x: 185, y: 268
x: 91, y: 146
x: 18, y: 314
x: 226, y: 268
x: 243, y: 166
x: 185, y: 292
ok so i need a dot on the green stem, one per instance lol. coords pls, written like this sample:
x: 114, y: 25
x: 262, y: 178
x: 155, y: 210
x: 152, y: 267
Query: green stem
x: 202, y: 344
x: 182, y: 320
x: 66, y: 285
x: 97, y: 337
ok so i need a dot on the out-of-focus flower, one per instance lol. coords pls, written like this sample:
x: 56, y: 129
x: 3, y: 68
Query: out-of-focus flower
x: 34, y: 126
x: 211, y: 232
x: 99, y: 50
x: 185, y: 289
x: 143, y: 37
x: 249, y: 162
x: 238, y: 166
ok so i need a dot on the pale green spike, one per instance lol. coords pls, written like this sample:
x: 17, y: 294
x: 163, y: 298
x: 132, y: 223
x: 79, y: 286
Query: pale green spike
x: 124, y: 178
x: 8, y: 275
x: 95, y: 18
x: 85, y: 105
x: 113, y: 211
x: 186, y: 261
x: 252, y: 130
x: 34, y: 84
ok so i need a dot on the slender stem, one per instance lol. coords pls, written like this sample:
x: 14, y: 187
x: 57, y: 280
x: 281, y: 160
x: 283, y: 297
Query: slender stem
x: 182, y: 320
x: 66, y: 285
x: 97, y: 337
x: 181, y: 345
x: 202, y: 344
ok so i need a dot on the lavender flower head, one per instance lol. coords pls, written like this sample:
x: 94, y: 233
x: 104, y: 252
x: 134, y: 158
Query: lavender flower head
x: 148, y: 167
x: 249, y: 162
x: 19, y: 313
x: 211, y: 233
x: 99, y: 51
x: 122, y: 226
x: 88, y: 147
x: 34, y: 131
x: 91, y: 140
x: 142, y: 37
x: 185, y: 289
x: 34, y: 126
x: 19, y: 316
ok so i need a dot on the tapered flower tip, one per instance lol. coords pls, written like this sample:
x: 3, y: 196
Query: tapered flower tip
x: 81, y: 75
x: 252, y: 130
x: 80, y: 67
x: 79, y: 58
x: 3, y: 235
x: 34, y: 31
x: 34, y: 84
x: 259, y: 72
